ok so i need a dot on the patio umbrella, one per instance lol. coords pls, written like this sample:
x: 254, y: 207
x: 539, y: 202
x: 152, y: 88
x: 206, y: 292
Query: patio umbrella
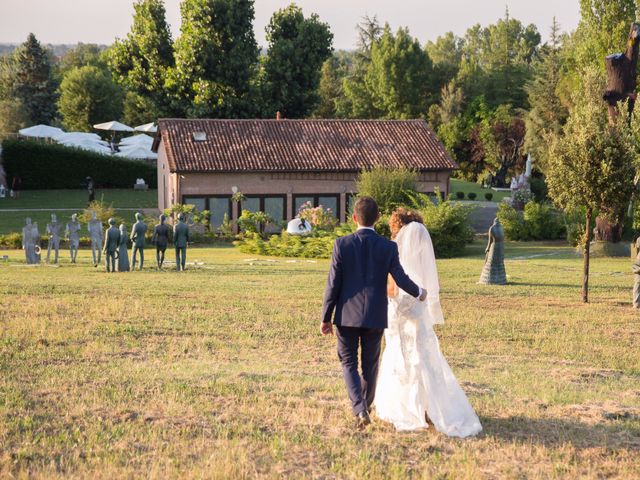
x: 144, y: 140
x: 147, y: 127
x: 75, y: 136
x: 41, y: 131
x: 137, y: 152
x: 97, y: 146
x: 113, y: 126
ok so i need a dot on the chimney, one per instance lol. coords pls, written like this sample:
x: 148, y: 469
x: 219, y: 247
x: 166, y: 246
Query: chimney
x: 278, y: 116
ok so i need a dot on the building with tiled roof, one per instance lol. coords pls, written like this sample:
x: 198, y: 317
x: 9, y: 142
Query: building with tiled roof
x: 280, y: 164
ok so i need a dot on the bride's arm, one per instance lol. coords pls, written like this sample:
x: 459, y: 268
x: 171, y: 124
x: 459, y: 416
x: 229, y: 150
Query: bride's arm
x: 392, y: 288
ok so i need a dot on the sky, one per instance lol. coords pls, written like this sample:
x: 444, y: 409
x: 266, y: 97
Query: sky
x: 101, y: 21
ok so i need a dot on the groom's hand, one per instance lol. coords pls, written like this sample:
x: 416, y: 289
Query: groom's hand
x: 423, y: 295
x: 326, y: 328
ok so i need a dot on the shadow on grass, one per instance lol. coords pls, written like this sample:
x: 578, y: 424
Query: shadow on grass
x: 553, y: 432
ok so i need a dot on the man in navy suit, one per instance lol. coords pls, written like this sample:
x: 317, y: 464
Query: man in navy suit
x: 357, y: 292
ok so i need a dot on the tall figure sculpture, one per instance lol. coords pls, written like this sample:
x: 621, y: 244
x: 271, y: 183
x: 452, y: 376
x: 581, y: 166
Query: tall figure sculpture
x: 111, y: 244
x: 30, y: 241
x: 160, y: 239
x: 180, y: 239
x: 137, y: 239
x: 53, y: 230
x: 123, y: 253
x: 72, y: 232
x: 95, y: 232
x: 493, y: 272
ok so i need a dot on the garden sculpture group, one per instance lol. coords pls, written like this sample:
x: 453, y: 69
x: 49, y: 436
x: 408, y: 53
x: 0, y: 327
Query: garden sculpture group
x: 493, y: 272
x: 113, y: 242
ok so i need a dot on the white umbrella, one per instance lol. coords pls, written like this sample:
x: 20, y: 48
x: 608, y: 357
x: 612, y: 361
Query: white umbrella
x: 144, y: 140
x: 91, y: 145
x: 147, y: 127
x: 77, y: 136
x: 138, y: 152
x: 113, y: 126
x: 41, y: 131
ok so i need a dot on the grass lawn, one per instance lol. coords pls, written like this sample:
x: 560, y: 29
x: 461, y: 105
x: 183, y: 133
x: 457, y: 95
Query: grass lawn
x: 118, y: 197
x: 466, y: 187
x: 220, y: 372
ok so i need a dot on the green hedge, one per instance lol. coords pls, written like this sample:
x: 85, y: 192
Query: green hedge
x: 53, y: 166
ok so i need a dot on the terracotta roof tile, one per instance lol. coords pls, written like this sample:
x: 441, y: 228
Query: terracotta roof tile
x: 300, y: 145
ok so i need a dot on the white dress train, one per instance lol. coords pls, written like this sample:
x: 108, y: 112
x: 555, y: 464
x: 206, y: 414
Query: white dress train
x: 415, y: 378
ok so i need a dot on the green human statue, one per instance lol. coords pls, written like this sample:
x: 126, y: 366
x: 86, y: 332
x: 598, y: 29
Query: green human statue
x: 111, y: 244
x: 137, y: 239
x: 636, y: 277
x: 160, y: 239
x: 493, y: 272
x: 94, y: 227
x: 180, y: 240
x: 123, y: 254
x: 53, y: 230
x: 72, y: 232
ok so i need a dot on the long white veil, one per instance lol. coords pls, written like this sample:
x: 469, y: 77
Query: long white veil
x: 419, y: 262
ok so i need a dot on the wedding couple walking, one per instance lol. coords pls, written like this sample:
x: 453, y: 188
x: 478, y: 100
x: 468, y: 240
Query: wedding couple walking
x: 371, y: 292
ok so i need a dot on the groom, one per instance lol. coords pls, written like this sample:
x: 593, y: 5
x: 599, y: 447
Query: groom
x: 357, y: 291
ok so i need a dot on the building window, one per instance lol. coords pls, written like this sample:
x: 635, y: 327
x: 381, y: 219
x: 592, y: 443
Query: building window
x: 273, y: 205
x: 327, y: 201
x: 217, y: 206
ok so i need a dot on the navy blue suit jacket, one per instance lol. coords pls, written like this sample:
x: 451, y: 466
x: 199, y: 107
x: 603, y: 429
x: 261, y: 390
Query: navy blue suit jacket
x: 357, y: 281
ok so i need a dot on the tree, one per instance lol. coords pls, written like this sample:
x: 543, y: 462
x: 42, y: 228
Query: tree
x: 33, y: 82
x: 88, y: 96
x: 298, y: 47
x: 446, y: 55
x: 13, y: 115
x: 142, y: 60
x: 547, y: 114
x: 591, y: 162
x: 216, y: 57
x: 83, y: 54
x: 329, y: 89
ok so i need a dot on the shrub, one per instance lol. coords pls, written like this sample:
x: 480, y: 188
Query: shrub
x: 11, y: 240
x: 318, y: 244
x: 488, y: 196
x: 255, y: 223
x: 319, y: 217
x: 390, y: 187
x: 451, y: 196
x: 539, y: 221
x: 191, y: 212
x: 459, y: 195
x: 448, y: 225
x: 539, y: 189
x: 53, y: 166
x: 472, y: 195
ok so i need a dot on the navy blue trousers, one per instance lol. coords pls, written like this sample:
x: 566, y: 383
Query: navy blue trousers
x: 361, y: 389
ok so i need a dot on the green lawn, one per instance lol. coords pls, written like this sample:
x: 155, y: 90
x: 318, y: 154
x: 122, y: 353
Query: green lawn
x: 466, y: 187
x: 122, y: 198
x: 220, y: 372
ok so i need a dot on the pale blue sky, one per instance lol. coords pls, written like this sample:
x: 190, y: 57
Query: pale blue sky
x: 100, y: 21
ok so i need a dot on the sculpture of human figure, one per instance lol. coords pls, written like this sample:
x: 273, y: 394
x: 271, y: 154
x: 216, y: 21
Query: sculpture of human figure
x: 180, y: 240
x: 95, y: 233
x: 636, y: 277
x: 493, y: 272
x: 53, y: 230
x: 30, y: 240
x: 72, y: 232
x: 160, y: 239
x: 123, y: 254
x: 138, y: 232
x: 111, y: 244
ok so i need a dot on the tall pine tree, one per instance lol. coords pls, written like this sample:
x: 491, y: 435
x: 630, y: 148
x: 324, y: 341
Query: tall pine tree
x: 33, y: 83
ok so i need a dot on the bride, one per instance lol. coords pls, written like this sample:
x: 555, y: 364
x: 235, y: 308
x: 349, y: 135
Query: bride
x: 416, y: 385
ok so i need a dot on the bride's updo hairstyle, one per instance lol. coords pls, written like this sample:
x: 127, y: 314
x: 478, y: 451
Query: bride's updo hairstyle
x: 401, y: 217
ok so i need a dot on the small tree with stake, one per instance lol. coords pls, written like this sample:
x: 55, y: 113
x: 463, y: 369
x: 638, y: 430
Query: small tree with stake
x: 591, y: 163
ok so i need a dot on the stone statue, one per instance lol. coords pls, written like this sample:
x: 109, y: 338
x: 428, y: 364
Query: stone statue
x: 636, y: 277
x: 53, y: 230
x: 123, y: 254
x: 160, y: 239
x: 72, y: 232
x: 95, y: 232
x: 137, y: 239
x: 180, y: 239
x: 30, y: 242
x: 493, y: 272
x: 111, y: 243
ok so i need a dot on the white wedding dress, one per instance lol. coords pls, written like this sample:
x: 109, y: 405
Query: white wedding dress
x: 414, y: 376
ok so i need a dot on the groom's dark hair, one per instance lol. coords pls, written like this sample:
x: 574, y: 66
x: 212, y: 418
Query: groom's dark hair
x: 366, y: 211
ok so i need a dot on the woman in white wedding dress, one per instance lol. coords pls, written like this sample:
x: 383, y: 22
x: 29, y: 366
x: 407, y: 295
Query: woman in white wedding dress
x: 415, y: 381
